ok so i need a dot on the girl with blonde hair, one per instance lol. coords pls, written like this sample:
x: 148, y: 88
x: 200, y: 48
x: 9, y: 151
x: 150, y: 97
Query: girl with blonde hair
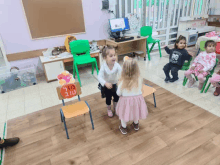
x: 131, y: 105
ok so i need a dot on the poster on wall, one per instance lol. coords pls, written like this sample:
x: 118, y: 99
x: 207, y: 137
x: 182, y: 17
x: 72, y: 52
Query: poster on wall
x: 50, y: 18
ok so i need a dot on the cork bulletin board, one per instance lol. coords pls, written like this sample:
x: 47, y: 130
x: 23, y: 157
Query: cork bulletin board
x: 50, y: 18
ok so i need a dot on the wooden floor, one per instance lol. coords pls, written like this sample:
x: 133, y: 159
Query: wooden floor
x: 175, y: 133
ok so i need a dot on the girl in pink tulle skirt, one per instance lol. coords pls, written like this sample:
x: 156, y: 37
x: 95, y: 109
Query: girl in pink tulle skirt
x: 131, y: 105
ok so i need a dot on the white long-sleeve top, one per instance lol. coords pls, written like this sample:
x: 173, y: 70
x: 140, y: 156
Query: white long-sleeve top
x: 109, y: 76
x: 132, y: 92
x: 206, y: 59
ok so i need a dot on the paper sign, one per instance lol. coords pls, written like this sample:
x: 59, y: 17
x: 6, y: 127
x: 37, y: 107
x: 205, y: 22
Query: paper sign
x: 68, y: 91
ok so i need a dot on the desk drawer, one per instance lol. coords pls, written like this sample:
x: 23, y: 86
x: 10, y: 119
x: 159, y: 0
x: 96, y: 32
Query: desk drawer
x: 68, y: 60
x: 94, y: 55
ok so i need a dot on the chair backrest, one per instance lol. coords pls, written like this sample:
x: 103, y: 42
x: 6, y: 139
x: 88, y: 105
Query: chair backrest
x: 216, y: 63
x: 217, y: 51
x: 202, y: 45
x: 146, y: 31
x: 78, y: 91
x: 80, y: 47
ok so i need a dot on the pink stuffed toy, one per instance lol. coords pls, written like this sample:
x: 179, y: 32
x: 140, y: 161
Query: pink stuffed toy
x: 65, y: 78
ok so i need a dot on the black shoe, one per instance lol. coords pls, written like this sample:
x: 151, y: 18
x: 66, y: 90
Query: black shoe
x: 167, y: 80
x: 9, y: 142
x: 174, y: 79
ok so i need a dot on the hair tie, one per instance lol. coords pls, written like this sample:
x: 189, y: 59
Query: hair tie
x: 126, y: 58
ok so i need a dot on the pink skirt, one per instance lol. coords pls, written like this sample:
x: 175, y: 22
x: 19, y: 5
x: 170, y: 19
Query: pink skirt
x: 198, y: 67
x: 215, y: 79
x: 130, y: 108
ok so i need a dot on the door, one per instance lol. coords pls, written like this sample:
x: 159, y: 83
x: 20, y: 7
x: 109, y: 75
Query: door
x: 53, y: 69
x: 3, y: 58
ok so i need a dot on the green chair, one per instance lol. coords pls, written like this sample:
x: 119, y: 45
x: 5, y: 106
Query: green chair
x: 201, y: 47
x: 185, y: 67
x: 147, y: 31
x: 211, y: 73
x: 81, y: 55
x: 207, y: 78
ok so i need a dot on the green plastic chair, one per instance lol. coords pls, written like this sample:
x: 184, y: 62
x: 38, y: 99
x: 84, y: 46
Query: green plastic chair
x: 201, y: 47
x: 211, y: 76
x: 147, y: 31
x: 185, y: 67
x: 82, y: 47
x: 207, y: 78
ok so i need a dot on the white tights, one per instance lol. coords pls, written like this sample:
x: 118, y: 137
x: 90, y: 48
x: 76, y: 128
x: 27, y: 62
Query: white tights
x: 124, y: 124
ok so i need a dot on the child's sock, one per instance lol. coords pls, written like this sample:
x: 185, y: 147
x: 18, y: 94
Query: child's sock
x: 110, y: 114
x: 123, y: 124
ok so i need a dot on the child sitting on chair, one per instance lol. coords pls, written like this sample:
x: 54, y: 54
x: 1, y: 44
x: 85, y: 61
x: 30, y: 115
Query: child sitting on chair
x: 178, y: 55
x: 202, y: 64
x: 108, y: 77
x: 131, y: 105
x: 215, y: 81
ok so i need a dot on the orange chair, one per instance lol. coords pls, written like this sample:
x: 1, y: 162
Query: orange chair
x: 147, y: 90
x: 73, y: 110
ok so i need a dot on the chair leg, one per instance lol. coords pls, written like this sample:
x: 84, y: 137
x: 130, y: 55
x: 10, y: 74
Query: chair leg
x: 74, y: 72
x: 152, y: 47
x: 148, y: 53
x: 185, y: 82
x: 61, y: 115
x: 77, y: 72
x: 155, y: 105
x: 204, y: 85
x: 64, y: 121
x: 159, y: 48
x: 92, y: 68
x: 90, y: 113
x: 97, y: 69
x: 207, y: 87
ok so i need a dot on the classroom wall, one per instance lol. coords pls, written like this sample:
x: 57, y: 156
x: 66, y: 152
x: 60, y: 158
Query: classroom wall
x: 16, y: 38
x: 15, y: 33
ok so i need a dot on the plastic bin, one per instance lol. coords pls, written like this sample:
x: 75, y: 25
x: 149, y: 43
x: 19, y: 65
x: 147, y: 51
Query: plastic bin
x: 12, y: 78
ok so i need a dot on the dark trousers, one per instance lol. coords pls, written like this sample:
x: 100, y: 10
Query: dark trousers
x: 109, y: 93
x: 173, y: 68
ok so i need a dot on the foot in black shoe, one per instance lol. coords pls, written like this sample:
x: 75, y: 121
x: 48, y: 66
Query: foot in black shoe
x: 9, y: 142
x: 167, y: 79
x: 174, y: 79
x: 123, y: 130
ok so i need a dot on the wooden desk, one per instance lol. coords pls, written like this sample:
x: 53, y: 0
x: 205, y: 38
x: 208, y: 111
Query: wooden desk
x: 130, y: 46
x: 53, y: 67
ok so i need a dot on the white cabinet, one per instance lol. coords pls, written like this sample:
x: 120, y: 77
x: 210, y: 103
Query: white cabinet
x: 53, y: 69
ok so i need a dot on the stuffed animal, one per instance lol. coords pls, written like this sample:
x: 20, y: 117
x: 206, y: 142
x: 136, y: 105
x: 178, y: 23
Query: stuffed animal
x: 65, y: 78
x: 67, y: 42
x: 215, y: 81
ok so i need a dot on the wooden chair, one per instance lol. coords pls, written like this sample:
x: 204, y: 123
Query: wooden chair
x: 73, y: 110
x: 148, y: 90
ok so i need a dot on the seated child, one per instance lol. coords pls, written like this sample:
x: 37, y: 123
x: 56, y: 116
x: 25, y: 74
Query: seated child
x: 178, y: 55
x: 202, y: 64
x: 215, y: 81
x: 131, y: 105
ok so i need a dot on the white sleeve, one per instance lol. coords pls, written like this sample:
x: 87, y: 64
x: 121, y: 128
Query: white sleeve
x: 119, y: 92
x: 101, y: 76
